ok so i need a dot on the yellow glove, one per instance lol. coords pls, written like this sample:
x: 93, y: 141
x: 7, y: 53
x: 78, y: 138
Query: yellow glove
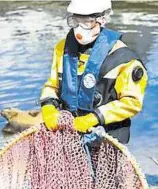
x: 50, y: 116
x: 84, y: 123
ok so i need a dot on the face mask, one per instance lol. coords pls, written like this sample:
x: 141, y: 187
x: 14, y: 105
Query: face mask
x: 84, y: 36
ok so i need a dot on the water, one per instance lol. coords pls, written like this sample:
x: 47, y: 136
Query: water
x: 28, y: 32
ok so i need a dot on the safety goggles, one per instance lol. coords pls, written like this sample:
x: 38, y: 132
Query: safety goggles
x: 74, y: 21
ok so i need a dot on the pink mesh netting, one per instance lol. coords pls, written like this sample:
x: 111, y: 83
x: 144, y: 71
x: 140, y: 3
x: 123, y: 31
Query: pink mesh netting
x: 57, y: 160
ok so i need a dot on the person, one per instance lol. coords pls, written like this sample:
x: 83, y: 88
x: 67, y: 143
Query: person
x: 94, y: 74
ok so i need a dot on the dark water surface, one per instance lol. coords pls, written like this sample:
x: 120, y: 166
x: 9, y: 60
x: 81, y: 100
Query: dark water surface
x: 28, y: 32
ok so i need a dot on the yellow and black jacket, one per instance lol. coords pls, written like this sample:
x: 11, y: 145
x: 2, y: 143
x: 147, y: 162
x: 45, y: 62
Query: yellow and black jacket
x: 119, y: 88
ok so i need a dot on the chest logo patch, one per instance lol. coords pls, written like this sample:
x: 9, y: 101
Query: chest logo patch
x: 89, y: 81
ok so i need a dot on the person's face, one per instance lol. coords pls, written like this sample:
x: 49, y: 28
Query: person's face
x: 86, y: 29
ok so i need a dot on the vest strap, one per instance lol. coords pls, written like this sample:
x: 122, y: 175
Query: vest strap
x: 82, y: 96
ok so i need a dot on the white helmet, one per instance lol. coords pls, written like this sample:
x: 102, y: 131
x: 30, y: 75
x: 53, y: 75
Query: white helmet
x: 86, y: 7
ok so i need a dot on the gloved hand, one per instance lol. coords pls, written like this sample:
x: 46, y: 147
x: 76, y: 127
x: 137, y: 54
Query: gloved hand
x: 84, y: 123
x: 50, y: 116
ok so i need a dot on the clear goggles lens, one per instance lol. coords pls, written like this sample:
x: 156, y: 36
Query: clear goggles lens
x: 84, y: 22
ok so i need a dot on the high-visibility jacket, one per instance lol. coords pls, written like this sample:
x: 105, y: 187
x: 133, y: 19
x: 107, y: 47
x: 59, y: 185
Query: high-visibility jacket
x: 119, y: 91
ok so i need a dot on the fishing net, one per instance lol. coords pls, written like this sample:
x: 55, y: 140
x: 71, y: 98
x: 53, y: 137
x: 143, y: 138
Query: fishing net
x: 42, y: 159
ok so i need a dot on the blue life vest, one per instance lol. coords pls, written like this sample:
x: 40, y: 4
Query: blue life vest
x: 82, y: 97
